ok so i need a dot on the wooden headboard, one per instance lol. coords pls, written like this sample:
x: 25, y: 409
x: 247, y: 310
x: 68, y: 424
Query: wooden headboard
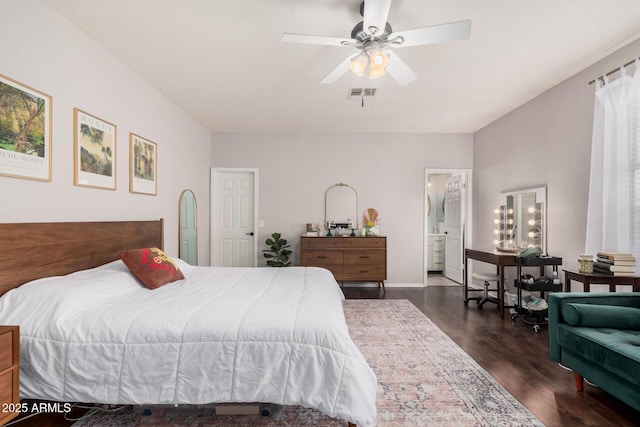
x: 30, y: 251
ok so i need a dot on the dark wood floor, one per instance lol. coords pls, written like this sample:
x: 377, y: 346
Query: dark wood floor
x: 511, y: 352
x: 515, y: 356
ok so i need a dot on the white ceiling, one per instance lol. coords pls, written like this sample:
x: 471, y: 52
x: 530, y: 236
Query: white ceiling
x: 224, y: 63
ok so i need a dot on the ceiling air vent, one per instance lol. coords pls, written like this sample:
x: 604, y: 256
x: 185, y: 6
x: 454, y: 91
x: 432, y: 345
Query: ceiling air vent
x: 362, y: 92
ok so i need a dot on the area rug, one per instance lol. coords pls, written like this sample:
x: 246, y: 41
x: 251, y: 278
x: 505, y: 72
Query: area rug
x: 424, y: 379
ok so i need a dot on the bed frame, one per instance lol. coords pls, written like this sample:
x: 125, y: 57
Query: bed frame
x: 31, y: 251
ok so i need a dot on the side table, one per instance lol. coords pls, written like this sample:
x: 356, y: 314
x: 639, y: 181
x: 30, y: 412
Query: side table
x: 587, y: 279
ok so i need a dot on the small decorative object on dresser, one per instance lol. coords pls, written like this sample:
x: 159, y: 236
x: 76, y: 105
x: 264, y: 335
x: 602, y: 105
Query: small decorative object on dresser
x: 371, y: 222
x: 9, y: 373
x: 353, y: 259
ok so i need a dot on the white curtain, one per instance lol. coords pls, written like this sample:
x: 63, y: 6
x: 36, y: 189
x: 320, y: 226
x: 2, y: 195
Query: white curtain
x: 615, y: 128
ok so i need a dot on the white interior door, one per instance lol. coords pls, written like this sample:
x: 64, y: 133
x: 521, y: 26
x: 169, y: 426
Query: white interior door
x: 453, y: 220
x: 233, y: 222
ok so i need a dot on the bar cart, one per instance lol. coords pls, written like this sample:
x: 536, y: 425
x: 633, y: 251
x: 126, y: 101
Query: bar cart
x: 528, y: 313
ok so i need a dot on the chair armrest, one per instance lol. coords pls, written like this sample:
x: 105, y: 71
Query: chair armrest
x: 558, y: 299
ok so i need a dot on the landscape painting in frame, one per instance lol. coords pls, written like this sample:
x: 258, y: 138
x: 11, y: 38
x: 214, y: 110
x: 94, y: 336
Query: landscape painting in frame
x: 143, y: 162
x: 25, y: 131
x: 95, y: 151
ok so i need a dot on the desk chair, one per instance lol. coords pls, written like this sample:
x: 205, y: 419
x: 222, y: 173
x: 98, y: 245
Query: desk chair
x: 486, y: 279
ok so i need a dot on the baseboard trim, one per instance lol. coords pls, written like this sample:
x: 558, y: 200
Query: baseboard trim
x: 386, y: 285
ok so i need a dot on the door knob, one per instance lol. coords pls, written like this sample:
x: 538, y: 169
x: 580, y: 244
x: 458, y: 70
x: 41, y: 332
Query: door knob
x: 249, y: 234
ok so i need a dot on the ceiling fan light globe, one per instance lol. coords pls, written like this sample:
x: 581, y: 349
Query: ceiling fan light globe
x: 376, y: 73
x: 378, y: 59
x: 358, y: 65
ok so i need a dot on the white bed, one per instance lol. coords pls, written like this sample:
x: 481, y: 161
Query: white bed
x: 272, y: 335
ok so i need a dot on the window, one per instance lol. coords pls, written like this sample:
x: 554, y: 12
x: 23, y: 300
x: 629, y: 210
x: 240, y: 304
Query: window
x: 633, y: 120
x: 613, y: 218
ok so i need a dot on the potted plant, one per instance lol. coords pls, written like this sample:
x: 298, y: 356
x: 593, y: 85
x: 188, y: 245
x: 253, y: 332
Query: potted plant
x: 277, y: 255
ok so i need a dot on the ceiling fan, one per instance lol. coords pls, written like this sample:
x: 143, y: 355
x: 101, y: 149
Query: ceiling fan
x: 373, y: 36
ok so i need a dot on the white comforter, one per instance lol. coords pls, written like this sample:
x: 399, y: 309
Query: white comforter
x: 221, y: 335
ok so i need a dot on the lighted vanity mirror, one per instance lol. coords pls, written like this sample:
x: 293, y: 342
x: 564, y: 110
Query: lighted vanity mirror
x: 188, y: 227
x: 341, y: 207
x: 521, y: 219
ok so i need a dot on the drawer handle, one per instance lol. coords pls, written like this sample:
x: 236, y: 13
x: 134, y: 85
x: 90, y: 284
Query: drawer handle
x: 321, y: 256
x: 364, y: 256
x: 364, y: 271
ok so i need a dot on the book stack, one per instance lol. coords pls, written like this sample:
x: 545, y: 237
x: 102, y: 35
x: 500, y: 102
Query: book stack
x: 615, y: 263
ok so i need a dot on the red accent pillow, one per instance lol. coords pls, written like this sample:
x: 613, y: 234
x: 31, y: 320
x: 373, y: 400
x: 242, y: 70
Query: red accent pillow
x: 151, y: 266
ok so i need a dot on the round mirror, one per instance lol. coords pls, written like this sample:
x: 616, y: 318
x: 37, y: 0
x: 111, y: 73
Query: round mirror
x: 188, y: 227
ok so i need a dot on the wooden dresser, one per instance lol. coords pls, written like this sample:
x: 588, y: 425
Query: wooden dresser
x: 350, y: 259
x: 9, y: 373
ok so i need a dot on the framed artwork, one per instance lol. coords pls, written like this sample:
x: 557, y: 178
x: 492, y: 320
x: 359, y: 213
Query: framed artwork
x: 94, y: 151
x: 25, y: 131
x: 142, y: 165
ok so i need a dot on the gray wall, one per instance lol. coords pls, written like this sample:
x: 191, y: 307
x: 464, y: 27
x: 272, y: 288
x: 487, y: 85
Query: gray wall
x: 545, y: 141
x: 77, y: 72
x: 386, y: 170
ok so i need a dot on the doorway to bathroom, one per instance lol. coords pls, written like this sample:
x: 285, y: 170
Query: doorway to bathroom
x: 447, y: 225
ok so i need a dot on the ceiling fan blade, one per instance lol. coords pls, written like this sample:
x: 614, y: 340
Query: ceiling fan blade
x: 376, y: 13
x: 400, y: 71
x: 321, y: 40
x: 337, y: 72
x: 435, y: 34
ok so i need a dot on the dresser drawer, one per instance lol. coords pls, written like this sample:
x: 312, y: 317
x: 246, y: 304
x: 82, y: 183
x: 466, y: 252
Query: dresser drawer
x: 365, y: 242
x: 6, y: 387
x: 6, y: 349
x: 322, y: 242
x: 321, y: 257
x: 364, y: 272
x: 9, y: 371
x: 364, y: 256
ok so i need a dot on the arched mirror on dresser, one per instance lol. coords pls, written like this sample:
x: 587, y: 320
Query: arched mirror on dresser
x: 188, y: 227
x: 341, y: 207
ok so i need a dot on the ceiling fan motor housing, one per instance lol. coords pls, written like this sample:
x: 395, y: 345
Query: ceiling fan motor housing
x: 361, y: 35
